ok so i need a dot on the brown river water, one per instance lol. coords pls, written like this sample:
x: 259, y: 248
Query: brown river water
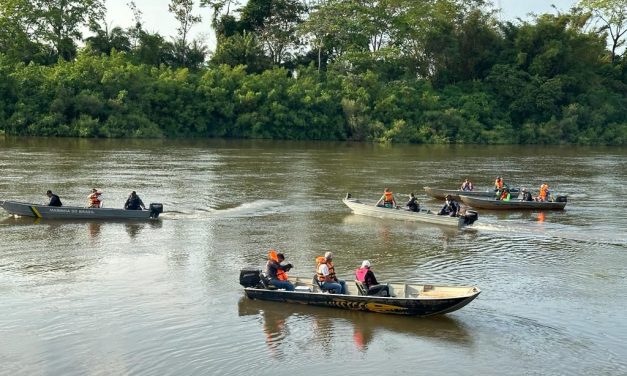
x: 158, y: 298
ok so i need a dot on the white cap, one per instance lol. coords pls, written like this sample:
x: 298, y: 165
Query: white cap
x: 328, y: 255
x: 365, y: 264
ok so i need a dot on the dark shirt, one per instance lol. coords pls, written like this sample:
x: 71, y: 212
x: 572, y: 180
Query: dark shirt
x: 133, y: 203
x: 273, y: 266
x: 55, y: 200
x: 527, y: 196
x: 450, y: 207
x: 370, y: 280
x: 412, y: 204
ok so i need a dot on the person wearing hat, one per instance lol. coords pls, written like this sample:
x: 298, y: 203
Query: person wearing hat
x: 54, y: 199
x: 366, y: 276
x: 325, y: 273
x: 450, y: 208
x: 95, y: 199
x: 277, y: 271
x: 526, y: 196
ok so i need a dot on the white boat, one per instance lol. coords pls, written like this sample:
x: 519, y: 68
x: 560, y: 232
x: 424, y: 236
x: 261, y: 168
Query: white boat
x: 427, y: 216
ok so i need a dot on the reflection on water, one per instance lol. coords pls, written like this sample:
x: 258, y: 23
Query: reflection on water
x: 276, y: 319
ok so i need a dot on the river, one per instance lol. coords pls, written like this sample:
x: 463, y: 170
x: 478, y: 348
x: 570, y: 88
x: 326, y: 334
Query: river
x: 157, y: 298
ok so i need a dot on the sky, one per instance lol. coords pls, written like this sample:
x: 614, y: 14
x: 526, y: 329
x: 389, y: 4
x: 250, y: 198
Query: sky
x: 157, y: 18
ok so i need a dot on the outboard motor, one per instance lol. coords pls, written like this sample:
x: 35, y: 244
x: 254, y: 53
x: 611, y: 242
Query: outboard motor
x: 561, y: 198
x: 470, y: 217
x: 155, y: 210
x: 250, y: 277
x: 348, y: 196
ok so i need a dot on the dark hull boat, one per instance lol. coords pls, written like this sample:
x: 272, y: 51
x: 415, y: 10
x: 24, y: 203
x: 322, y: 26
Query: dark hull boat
x: 514, y: 204
x: 411, y: 300
x: 74, y: 212
x: 455, y: 193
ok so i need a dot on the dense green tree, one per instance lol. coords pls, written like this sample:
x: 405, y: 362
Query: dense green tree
x: 59, y: 22
x: 105, y: 40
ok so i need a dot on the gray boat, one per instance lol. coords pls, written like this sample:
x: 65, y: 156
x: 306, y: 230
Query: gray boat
x: 514, y: 204
x: 455, y: 193
x: 74, y: 212
x: 427, y: 216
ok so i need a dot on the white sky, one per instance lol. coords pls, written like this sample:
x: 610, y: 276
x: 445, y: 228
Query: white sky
x: 157, y: 18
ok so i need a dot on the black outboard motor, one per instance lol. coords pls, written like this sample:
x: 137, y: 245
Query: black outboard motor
x: 250, y: 277
x: 470, y: 217
x: 155, y: 210
x: 561, y: 198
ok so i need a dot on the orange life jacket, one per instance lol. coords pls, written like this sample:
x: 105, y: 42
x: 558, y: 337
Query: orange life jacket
x: 498, y: 183
x: 544, y: 190
x: 388, y: 197
x: 281, y: 275
x: 321, y: 277
x: 94, y: 202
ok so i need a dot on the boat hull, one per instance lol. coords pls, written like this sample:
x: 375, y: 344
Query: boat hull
x: 397, y: 306
x: 371, y: 210
x: 492, y: 204
x: 74, y: 212
x: 456, y: 193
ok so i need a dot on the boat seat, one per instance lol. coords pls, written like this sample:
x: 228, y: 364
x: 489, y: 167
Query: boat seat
x: 265, y: 281
x: 361, y: 288
x: 315, y: 282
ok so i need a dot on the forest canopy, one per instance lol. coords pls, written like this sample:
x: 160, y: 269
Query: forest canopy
x: 401, y: 71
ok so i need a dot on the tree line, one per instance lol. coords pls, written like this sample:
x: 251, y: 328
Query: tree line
x: 406, y: 71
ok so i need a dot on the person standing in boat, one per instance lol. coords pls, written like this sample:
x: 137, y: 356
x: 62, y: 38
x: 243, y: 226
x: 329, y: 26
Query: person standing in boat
x: 325, y: 273
x: 412, y: 204
x: 467, y: 185
x: 544, y: 192
x: 277, y: 272
x: 498, y: 184
x: 95, y: 199
x: 133, y: 202
x: 450, y: 208
x: 366, y: 276
x: 54, y: 199
x: 387, y: 200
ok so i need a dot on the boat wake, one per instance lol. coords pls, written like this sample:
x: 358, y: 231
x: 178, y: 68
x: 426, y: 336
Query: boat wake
x: 257, y: 208
x: 564, y: 232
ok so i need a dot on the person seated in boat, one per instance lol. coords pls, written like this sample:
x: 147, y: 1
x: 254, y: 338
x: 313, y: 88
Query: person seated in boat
x: 544, y: 193
x: 526, y: 195
x: 54, y: 199
x: 450, y: 208
x: 467, y: 185
x: 95, y: 199
x: 133, y: 202
x: 325, y: 273
x: 505, y: 195
x: 387, y: 200
x: 412, y: 204
x: 366, y: 276
x: 276, y: 270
